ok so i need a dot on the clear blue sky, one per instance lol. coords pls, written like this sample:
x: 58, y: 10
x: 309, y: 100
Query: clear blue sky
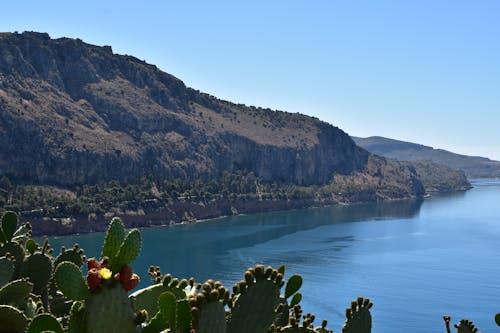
x: 426, y: 71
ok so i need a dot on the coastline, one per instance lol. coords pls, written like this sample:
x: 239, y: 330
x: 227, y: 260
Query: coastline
x: 182, y: 213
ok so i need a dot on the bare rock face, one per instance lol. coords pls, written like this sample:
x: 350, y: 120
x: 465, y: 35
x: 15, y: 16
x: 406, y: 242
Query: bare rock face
x: 73, y: 113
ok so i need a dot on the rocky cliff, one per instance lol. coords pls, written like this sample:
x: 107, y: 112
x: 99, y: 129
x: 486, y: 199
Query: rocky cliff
x: 74, y: 113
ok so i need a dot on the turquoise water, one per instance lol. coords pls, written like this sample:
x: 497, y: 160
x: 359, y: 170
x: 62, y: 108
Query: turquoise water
x: 416, y: 260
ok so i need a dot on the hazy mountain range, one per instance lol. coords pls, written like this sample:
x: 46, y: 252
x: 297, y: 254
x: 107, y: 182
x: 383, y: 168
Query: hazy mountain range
x: 472, y: 166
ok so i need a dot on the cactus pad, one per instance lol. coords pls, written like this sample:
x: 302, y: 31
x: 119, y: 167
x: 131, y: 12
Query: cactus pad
x: 45, y: 322
x: 38, y: 268
x: 114, y: 238
x: 293, y: 285
x: 111, y: 311
x: 77, y: 318
x: 13, y: 320
x: 129, y: 250
x: 6, y: 270
x: 254, y: 305
x: 466, y: 326
x: 75, y: 255
x: 9, y: 225
x: 70, y: 281
x: 17, y: 253
x: 15, y: 292
x: 358, y: 317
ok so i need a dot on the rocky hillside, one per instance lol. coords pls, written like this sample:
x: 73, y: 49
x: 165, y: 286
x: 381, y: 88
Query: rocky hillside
x: 472, y: 166
x: 73, y: 113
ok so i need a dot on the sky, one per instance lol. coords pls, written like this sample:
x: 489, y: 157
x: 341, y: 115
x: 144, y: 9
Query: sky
x: 425, y: 71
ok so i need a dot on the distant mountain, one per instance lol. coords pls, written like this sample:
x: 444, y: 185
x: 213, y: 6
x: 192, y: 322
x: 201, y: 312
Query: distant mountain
x: 472, y: 166
x: 72, y: 113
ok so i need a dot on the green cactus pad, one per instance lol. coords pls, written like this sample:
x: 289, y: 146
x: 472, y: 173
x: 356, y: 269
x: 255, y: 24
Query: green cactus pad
x: 183, y: 316
x: 110, y: 310
x: 31, y: 246
x: 358, y: 317
x: 69, y: 280
x: 9, y: 225
x: 296, y: 299
x: 114, y: 238
x: 15, y: 292
x: 38, y: 268
x: 12, y: 319
x: 254, y: 309
x: 293, y: 285
x: 45, y: 322
x: 282, y: 316
x: 17, y: 252
x: 77, y: 318
x: 129, y: 250
x: 167, y: 303
x: 6, y: 270
x: 212, y: 318
x: 147, y: 298
x: 74, y: 255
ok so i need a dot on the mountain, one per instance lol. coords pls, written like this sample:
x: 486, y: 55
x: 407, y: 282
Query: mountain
x: 472, y: 166
x: 74, y: 114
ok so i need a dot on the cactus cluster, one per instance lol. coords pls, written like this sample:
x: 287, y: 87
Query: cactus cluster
x: 39, y: 293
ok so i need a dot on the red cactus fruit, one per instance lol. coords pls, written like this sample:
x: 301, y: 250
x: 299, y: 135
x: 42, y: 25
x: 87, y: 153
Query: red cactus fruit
x: 125, y: 274
x: 93, y: 279
x: 93, y: 263
x: 132, y: 283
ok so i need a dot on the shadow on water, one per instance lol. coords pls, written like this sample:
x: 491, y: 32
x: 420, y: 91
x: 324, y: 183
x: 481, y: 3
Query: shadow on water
x: 204, y: 246
x: 192, y: 250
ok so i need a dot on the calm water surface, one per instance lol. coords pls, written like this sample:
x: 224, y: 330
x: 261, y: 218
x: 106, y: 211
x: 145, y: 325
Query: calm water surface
x: 416, y: 260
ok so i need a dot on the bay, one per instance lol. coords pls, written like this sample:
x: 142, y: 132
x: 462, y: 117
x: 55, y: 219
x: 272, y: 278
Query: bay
x: 415, y: 259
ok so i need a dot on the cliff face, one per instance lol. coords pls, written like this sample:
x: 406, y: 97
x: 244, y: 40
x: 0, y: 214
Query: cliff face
x: 75, y: 113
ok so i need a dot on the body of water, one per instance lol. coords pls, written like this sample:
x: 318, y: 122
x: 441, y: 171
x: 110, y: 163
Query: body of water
x: 416, y: 260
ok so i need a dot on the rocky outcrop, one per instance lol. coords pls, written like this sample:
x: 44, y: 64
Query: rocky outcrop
x: 74, y: 113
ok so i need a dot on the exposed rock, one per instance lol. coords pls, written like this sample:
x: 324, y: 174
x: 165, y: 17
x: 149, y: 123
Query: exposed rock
x: 74, y: 113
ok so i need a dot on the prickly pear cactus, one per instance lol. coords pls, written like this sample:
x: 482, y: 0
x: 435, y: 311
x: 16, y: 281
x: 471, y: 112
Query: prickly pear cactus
x: 358, y: 317
x: 464, y: 326
x: 9, y: 226
x: 6, y: 270
x: 74, y: 255
x: 15, y: 292
x: 16, y: 254
x: 38, y: 268
x: 110, y: 310
x: 296, y: 326
x: 121, y: 249
x: 70, y: 281
x: 207, y: 308
x: 12, y: 319
x: 43, y: 323
x: 255, y: 300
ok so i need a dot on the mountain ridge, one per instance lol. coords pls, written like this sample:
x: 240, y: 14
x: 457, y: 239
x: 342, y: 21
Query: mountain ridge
x: 88, y: 110
x: 472, y: 166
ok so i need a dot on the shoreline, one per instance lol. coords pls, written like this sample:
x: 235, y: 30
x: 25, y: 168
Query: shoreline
x: 184, y: 213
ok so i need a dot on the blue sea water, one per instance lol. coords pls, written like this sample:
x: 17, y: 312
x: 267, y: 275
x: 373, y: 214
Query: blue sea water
x: 416, y: 259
